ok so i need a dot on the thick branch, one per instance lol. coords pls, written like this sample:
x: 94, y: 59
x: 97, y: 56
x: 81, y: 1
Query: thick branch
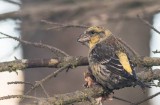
x: 81, y: 96
x: 63, y: 99
x: 86, y: 94
x: 77, y: 96
x: 36, y: 63
x: 60, y: 62
x: 149, y: 75
x: 148, y: 61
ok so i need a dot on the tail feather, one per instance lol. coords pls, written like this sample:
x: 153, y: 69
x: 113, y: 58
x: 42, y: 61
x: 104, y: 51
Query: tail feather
x: 142, y: 85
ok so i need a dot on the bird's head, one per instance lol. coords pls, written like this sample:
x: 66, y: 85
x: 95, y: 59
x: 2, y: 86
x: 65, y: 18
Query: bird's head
x: 93, y: 35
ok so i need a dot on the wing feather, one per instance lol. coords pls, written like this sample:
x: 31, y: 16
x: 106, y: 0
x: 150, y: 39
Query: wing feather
x: 119, y: 63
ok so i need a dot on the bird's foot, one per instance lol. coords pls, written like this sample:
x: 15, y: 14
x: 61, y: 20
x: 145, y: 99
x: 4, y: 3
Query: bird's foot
x: 110, y: 97
x: 101, y: 99
x: 89, y: 80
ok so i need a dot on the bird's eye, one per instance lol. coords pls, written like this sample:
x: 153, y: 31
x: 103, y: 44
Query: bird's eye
x: 92, y: 32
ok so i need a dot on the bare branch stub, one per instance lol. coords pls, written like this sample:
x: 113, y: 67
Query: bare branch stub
x: 156, y: 51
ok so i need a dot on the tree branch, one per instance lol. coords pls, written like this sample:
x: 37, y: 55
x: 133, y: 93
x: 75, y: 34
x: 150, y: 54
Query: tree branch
x: 62, y: 61
x: 12, y: 15
x: 156, y: 51
x: 36, y: 63
x: 150, y: 97
x: 41, y: 45
x: 83, y: 95
x: 148, y: 24
x: 12, y: 2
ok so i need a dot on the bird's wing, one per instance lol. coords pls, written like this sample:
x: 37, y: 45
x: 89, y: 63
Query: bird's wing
x: 115, y: 62
x: 123, y: 59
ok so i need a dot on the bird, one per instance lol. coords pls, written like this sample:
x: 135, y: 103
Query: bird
x: 109, y: 61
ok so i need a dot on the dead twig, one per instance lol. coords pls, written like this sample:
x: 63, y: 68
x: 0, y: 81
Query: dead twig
x: 122, y: 100
x: 44, y: 90
x: 62, y: 26
x: 12, y: 2
x: 20, y: 82
x: 37, y: 84
x: 148, y: 24
x: 18, y: 96
x: 156, y: 51
x: 150, y: 97
x: 40, y: 45
x: 129, y: 47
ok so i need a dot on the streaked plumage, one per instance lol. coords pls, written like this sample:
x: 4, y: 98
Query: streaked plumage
x: 108, y: 59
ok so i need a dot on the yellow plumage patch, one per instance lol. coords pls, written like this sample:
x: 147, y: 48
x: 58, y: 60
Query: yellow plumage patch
x: 108, y: 33
x: 125, y: 62
x: 95, y: 28
x: 94, y: 40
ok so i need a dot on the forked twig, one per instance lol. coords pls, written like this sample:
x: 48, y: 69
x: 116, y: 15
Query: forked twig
x: 44, y: 90
x: 54, y: 74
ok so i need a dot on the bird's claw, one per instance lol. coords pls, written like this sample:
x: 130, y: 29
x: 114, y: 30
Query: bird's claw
x: 89, y: 80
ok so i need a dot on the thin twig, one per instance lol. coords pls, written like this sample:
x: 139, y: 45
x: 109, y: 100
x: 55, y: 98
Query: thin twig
x: 44, y: 90
x: 150, y: 97
x: 156, y: 51
x: 147, y: 23
x: 122, y: 99
x: 3, y: 37
x: 129, y: 47
x: 20, y: 82
x: 12, y: 2
x: 41, y: 45
x: 37, y: 84
x: 18, y: 96
x: 62, y: 26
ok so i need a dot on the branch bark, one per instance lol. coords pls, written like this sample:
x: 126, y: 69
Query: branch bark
x: 62, y: 61
x: 36, y: 63
x: 83, y: 95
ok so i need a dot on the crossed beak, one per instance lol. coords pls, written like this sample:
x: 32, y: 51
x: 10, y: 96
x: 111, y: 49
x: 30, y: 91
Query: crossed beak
x: 84, y: 38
